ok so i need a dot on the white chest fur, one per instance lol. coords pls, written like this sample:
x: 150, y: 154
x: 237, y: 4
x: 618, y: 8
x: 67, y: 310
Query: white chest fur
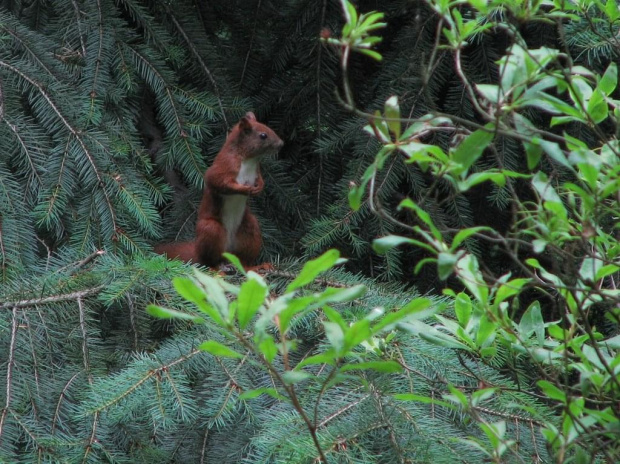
x: 234, y: 205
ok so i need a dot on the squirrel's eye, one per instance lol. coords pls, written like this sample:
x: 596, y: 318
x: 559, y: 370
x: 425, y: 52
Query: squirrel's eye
x: 263, y: 136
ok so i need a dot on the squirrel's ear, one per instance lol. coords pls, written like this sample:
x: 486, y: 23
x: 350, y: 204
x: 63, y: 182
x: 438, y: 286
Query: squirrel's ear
x: 245, y: 124
x: 250, y: 116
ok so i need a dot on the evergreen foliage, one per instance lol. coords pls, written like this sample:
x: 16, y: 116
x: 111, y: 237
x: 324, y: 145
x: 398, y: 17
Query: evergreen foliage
x: 110, y: 112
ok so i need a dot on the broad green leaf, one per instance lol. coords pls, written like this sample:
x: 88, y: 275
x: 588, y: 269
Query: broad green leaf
x: 463, y: 308
x: 379, y: 366
x: 235, y: 262
x: 445, y: 264
x: 335, y: 336
x: 417, y: 308
x: 479, y: 396
x: 464, y: 234
x: 432, y: 335
x: 509, y: 289
x: 217, y: 349
x: 370, y: 19
x: 612, y: 10
x: 491, y: 92
x: 334, y: 316
x: 597, y: 107
x: 498, y: 178
x: 392, y: 114
x: 384, y: 244
x: 268, y: 348
x: 486, y: 333
x: 613, y: 342
x: 609, y: 81
x: 190, y: 290
x: 423, y: 215
x: 251, y: 296
x: 606, y: 270
x: 323, y: 358
x: 341, y: 295
x: 541, y: 184
x: 470, y: 149
x: 294, y: 307
x: 251, y: 394
x: 371, y: 53
x: 533, y: 153
x: 313, y: 268
x: 553, y: 150
x: 293, y: 377
x: 413, y: 148
x: 356, y: 334
x: 214, y: 292
x: 590, y: 268
x: 532, y: 322
x: 421, y: 399
x: 552, y: 391
x: 165, y: 313
x: 468, y: 271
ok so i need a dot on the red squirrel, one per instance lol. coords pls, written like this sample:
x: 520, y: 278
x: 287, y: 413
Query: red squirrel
x: 225, y: 223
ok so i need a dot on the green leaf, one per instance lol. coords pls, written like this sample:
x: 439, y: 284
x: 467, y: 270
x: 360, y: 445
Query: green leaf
x: 532, y: 322
x: 463, y: 308
x: 487, y: 331
x: 432, y: 335
x: 609, y: 81
x: 235, y: 262
x: 509, y: 289
x: 335, y: 336
x: 371, y: 53
x: 423, y: 215
x: 193, y: 293
x: 470, y: 149
x: 464, y: 234
x: 165, y: 313
x: 379, y: 366
x: 341, y: 295
x: 468, y: 271
x: 293, y: 377
x: 472, y: 180
x: 268, y: 348
x: 217, y: 349
x: 313, y: 268
x: 417, y: 308
x: 392, y: 114
x: 323, y: 358
x: 597, y: 107
x: 356, y: 334
x: 612, y: 10
x: 554, y: 152
x: 214, y: 292
x: 384, y: 244
x: 422, y: 399
x: 251, y: 394
x: 606, y: 270
x: 552, y: 391
x: 251, y: 296
x: 491, y: 92
x: 445, y: 264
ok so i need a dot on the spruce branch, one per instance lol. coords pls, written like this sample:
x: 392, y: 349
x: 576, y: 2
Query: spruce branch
x: 201, y: 62
x: 72, y: 296
x: 9, y: 372
x: 152, y: 374
x: 74, y: 132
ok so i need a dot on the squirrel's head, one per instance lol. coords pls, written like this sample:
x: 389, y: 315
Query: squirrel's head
x: 255, y: 139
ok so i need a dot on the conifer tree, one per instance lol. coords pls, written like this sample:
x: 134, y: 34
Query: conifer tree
x: 110, y: 112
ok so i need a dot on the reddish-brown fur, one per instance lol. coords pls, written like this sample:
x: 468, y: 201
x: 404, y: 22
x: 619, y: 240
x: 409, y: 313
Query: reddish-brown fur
x: 225, y: 222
